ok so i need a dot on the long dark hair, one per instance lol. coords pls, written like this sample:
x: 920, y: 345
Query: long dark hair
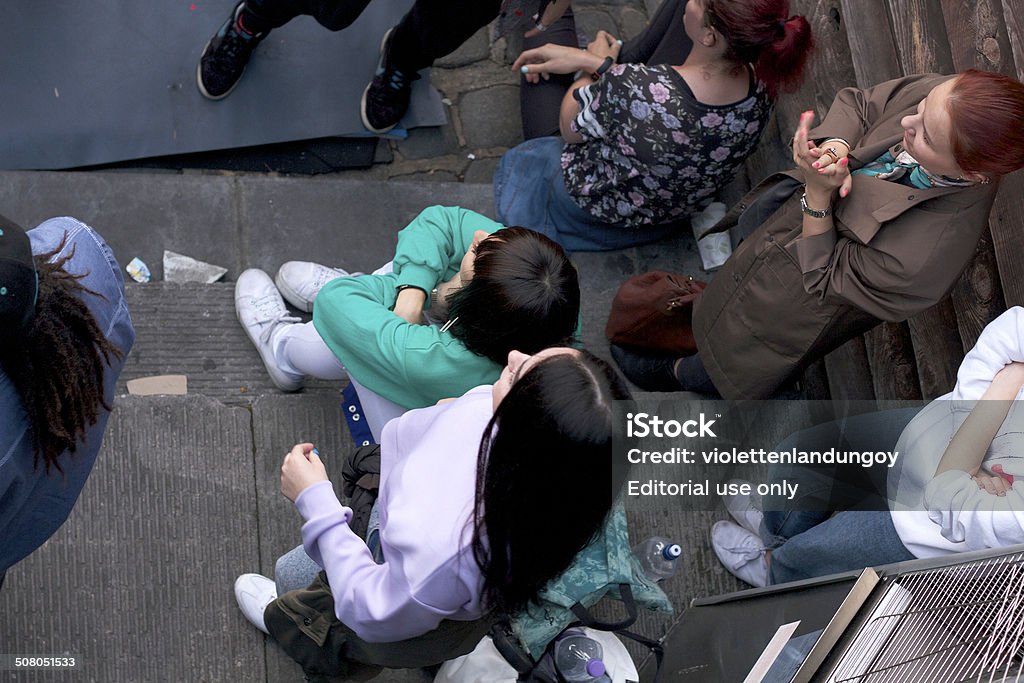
x: 761, y: 32
x: 57, y: 364
x: 544, y: 475
x: 524, y: 295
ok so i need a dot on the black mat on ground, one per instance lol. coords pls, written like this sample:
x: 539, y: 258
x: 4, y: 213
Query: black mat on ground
x: 308, y: 157
x: 110, y: 80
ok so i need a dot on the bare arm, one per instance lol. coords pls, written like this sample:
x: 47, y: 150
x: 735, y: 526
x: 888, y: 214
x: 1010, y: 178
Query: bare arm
x: 558, y: 59
x: 967, y: 450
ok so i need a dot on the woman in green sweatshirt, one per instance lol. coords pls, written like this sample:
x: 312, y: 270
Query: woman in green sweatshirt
x: 440, y: 321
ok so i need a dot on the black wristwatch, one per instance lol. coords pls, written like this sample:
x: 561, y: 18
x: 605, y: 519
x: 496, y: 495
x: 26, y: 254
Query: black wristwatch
x: 813, y: 213
x: 605, y: 65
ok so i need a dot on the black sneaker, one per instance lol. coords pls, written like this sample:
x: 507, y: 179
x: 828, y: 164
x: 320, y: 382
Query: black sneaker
x: 225, y: 56
x: 386, y: 98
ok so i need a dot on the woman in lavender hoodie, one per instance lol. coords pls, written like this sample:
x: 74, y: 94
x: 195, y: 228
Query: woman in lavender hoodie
x: 468, y: 493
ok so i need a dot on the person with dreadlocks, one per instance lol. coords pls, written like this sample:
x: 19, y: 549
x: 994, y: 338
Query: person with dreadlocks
x: 64, y: 334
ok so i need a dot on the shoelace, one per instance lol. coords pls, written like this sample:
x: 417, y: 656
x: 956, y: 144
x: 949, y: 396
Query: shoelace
x: 323, y: 276
x: 742, y: 556
x: 235, y: 42
x: 270, y: 312
x: 397, y: 80
x: 394, y: 79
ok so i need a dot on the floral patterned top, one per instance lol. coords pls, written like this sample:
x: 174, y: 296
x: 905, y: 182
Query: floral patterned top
x: 651, y: 153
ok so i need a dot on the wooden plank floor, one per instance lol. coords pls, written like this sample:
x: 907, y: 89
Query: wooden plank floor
x: 864, y: 43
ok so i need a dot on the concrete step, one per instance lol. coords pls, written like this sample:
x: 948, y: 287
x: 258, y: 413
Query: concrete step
x: 184, y: 497
x: 236, y: 221
x: 185, y: 493
x: 192, y: 330
x: 250, y: 220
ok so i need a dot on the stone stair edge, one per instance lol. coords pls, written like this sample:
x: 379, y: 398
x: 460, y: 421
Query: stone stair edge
x: 240, y: 177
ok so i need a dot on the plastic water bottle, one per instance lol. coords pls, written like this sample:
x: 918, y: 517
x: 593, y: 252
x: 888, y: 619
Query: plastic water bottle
x: 578, y: 658
x: 659, y: 557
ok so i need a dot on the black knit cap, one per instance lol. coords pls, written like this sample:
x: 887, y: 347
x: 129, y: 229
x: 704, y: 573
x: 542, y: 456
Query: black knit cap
x: 18, y: 281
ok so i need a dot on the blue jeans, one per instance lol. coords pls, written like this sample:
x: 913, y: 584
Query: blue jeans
x: 806, y: 538
x: 848, y: 540
x: 529, y: 191
x: 296, y: 569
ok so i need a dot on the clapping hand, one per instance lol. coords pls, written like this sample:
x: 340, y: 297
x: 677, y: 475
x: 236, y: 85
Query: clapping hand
x: 825, y: 169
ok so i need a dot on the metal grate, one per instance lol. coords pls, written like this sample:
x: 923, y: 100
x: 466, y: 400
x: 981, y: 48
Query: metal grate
x: 959, y: 623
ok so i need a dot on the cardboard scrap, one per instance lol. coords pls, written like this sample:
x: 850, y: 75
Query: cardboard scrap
x: 159, y: 385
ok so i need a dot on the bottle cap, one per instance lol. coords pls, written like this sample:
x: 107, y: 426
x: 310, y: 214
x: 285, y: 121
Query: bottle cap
x: 672, y: 551
x: 596, y: 668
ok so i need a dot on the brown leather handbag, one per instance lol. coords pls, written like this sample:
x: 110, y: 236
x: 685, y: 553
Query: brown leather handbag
x: 655, y: 311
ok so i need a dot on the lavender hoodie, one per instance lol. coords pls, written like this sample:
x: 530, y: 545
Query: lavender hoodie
x: 427, y: 488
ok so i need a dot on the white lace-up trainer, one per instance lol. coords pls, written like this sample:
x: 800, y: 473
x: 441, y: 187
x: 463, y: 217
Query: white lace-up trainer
x: 253, y: 593
x: 261, y: 311
x: 300, y: 282
x: 741, y: 552
x: 745, y: 509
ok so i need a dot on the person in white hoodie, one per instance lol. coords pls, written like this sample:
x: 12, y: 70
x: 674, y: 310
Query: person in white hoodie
x: 957, y: 485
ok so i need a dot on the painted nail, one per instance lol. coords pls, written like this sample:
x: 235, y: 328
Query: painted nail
x: 816, y: 164
x: 316, y: 452
x: 524, y: 69
x: 619, y: 42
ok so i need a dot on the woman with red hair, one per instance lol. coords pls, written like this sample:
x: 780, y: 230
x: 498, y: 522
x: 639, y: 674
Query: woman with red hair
x: 881, y: 215
x: 645, y: 147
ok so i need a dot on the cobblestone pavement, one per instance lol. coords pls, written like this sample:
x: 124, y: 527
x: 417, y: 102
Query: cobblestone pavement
x: 481, y: 93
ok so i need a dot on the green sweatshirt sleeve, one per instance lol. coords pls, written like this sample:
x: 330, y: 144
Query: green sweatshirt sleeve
x: 431, y: 247
x: 411, y: 365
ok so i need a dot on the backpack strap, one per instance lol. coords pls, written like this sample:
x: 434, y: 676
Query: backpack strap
x: 508, y: 646
x: 652, y: 645
x: 619, y: 628
x: 628, y: 601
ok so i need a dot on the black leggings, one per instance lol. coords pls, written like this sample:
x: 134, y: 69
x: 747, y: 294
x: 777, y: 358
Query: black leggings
x: 541, y: 102
x: 664, y: 41
x: 430, y: 29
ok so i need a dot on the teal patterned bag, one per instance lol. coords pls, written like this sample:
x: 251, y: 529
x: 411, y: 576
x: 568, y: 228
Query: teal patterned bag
x: 605, y: 567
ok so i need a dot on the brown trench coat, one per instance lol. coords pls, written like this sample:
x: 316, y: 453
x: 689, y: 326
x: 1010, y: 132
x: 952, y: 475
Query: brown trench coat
x: 782, y: 301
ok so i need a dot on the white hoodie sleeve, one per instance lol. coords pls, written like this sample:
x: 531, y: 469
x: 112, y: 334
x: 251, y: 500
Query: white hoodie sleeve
x: 1000, y: 343
x: 970, y: 515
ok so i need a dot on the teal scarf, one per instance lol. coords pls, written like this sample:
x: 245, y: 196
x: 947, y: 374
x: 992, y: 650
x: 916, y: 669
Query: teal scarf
x: 904, y: 169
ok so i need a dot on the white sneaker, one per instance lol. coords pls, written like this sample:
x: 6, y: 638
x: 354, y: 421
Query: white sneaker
x: 741, y: 552
x: 261, y: 311
x: 745, y: 509
x: 301, y: 281
x: 253, y: 593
